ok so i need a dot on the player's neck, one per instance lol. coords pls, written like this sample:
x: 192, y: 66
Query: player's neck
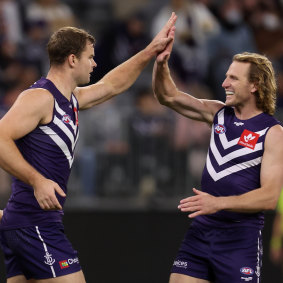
x: 246, y: 113
x: 62, y: 81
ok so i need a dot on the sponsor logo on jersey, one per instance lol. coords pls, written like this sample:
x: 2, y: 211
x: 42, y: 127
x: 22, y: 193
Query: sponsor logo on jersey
x: 63, y: 264
x: 180, y: 263
x: 67, y: 262
x: 248, y: 139
x: 247, y: 271
x: 238, y: 124
x: 247, y: 279
x: 66, y: 119
x: 73, y: 260
x: 219, y: 129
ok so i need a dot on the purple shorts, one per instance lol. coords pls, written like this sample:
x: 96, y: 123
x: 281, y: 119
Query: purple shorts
x: 38, y: 252
x: 231, y: 255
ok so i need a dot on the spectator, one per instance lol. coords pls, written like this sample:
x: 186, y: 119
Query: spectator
x: 235, y: 36
x: 54, y: 12
x: 150, y: 132
x: 194, y: 26
x: 121, y: 40
x: 33, y: 47
x: 12, y: 19
x: 102, y: 153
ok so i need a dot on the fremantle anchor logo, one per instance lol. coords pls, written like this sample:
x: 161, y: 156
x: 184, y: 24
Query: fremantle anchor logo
x: 49, y: 260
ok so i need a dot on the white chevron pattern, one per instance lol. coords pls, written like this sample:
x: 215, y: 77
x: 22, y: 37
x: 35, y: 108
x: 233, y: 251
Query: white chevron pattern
x: 221, y: 160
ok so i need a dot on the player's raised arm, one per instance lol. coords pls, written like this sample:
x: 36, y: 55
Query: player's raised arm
x: 168, y: 94
x: 123, y: 76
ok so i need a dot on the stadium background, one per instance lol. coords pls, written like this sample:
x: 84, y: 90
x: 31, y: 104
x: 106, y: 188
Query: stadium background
x: 136, y: 159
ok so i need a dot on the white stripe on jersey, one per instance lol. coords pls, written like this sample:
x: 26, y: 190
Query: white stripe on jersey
x: 65, y: 129
x: 77, y: 137
x: 233, y: 169
x: 47, y: 255
x: 62, y: 112
x: 63, y: 146
x: 236, y: 153
x: 75, y: 102
x: 225, y: 143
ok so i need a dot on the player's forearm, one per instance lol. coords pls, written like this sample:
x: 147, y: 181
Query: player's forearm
x: 250, y: 202
x: 123, y: 76
x: 12, y: 161
x: 163, y: 86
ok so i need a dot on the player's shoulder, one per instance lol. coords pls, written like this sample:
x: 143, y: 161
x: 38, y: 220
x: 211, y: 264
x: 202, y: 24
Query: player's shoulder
x: 36, y: 95
x: 275, y: 135
x: 276, y: 130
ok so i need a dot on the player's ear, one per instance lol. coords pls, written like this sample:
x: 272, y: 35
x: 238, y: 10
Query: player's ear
x: 254, y: 88
x: 72, y: 60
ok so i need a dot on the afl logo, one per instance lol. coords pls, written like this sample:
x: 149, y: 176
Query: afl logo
x: 247, y: 270
x: 219, y: 129
x: 66, y: 119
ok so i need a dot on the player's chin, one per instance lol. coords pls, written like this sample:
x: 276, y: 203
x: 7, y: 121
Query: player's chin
x: 84, y: 81
x: 229, y: 101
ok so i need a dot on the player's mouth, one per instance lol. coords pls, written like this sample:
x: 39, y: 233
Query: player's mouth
x: 229, y: 92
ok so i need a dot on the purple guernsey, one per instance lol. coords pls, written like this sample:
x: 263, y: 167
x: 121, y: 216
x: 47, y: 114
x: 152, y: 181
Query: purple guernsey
x: 50, y: 150
x: 233, y: 164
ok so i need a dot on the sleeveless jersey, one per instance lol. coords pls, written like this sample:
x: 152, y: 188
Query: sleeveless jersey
x: 233, y: 164
x: 49, y: 149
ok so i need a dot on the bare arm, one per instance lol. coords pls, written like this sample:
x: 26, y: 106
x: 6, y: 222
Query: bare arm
x: 31, y: 108
x: 263, y: 198
x: 168, y: 94
x: 124, y: 75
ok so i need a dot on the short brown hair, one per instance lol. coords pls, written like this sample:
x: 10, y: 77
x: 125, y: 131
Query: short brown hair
x: 262, y: 74
x: 66, y: 41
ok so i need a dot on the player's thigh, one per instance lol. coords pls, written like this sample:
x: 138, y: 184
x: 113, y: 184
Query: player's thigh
x: 17, y: 279
x: 181, y: 278
x: 77, y: 277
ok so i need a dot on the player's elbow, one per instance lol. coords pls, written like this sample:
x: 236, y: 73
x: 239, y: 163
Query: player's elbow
x: 271, y: 204
x: 164, y: 99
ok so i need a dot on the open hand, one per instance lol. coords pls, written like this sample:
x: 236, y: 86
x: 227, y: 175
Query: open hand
x: 164, y: 37
x: 200, y: 204
x: 165, y: 54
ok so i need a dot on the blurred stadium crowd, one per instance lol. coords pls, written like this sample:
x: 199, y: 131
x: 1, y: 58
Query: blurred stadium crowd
x: 131, y: 146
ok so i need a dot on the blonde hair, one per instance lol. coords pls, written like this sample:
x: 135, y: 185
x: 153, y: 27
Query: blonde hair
x: 262, y: 74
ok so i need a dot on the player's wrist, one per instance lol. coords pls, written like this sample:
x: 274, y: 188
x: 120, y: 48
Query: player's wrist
x: 35, y: 179
x: 149, y: 52
x: 222, y: 203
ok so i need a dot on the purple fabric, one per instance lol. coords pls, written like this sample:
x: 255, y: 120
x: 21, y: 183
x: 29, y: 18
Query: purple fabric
x: 221, y: 255
x: 50, y: 150
x: 233, y: 164
x: 38, y: 252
